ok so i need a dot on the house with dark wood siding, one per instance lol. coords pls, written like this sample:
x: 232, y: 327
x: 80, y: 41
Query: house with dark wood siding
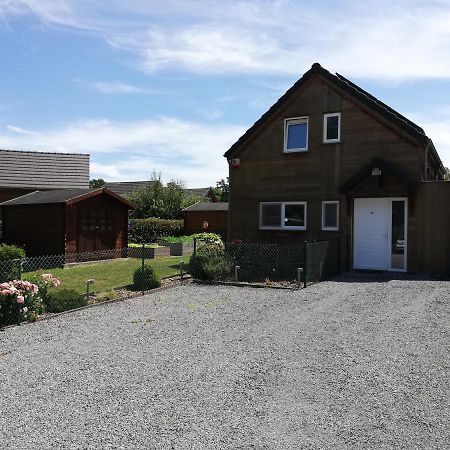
x: 330, y: 161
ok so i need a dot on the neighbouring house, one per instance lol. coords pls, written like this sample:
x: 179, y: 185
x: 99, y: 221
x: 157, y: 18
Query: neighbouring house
x: 128, y: 188
x: 206, y: 217
x: 66, y: 221
x: 24, y: 171
x: 330, y: 161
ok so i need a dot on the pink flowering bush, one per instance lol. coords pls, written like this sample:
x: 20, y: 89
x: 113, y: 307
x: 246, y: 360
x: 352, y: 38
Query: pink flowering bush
x: 22, y: 300
x: 19, y: 301
x: 45, y: 283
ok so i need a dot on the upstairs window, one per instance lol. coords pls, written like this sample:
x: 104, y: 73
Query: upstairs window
x: 296, y: 135
x: 332, y: 127
x: 283, y: 216
x: 330, y: 215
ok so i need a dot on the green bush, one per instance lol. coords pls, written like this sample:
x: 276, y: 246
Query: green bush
x: 176, y: 239
x: 106, y: 296
x: 10, y: 259
x: 210, y: 261
x: 145, y: 278
x: 152, y: 230
x: 64, y: 300
x: 218, y: 267
x: 8, y: 252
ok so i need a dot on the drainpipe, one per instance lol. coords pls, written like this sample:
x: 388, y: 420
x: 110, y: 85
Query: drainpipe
x: 425, y: 175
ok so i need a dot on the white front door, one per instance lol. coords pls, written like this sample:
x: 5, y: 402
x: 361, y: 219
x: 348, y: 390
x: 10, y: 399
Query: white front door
x: 371, y: 234
x: 380, y: 234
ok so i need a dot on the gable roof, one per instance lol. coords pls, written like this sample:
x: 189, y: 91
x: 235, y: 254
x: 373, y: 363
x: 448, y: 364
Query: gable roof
x: 42, y: 170
x: 350, y: 88
x: 207, y: 206
x: 62, y: 196
x: 130, y: 187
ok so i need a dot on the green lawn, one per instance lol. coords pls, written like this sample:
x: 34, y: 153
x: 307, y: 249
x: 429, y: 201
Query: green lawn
x: 111, y: 274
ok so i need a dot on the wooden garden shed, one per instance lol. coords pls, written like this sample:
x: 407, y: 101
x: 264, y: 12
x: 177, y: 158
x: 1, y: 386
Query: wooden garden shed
x: 66, y: 221
x: 206, y: 217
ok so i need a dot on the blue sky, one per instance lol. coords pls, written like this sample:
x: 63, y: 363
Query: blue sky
x: 168, y: 86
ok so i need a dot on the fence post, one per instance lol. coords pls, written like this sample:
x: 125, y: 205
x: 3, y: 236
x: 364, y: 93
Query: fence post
x: 305, y: 270
x: 236, y: 268
x: 299, y: 276
x: 181, y: 272
x: 142, y: 268
x: 22, y: 261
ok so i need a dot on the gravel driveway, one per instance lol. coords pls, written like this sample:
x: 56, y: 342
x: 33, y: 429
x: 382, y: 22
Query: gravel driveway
x: 340, y: 365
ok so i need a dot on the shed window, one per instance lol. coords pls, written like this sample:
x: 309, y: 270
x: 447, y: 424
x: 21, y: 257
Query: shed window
x: 283, y: 215
x: 296, y: 134
x: 332, y: 127
x: 330, y: 215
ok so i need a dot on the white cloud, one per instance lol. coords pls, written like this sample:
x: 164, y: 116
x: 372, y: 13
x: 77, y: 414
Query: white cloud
x: 405, y: 39
x: 133, y: 150
x: 117, y: 87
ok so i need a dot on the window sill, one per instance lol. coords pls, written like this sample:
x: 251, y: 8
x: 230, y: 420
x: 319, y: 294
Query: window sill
x: 282, y: 229
x: 332, y: 142
x: 330, y: 229
x: 295, y: 150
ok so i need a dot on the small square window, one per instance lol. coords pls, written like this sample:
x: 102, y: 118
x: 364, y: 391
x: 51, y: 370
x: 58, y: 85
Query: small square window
x: 330, y: 215
x: 271, y: 215
x: 296, y: 135
x: 332, y: 127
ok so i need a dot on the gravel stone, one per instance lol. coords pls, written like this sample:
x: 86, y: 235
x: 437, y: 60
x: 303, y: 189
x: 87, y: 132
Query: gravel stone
x: 344, y: 364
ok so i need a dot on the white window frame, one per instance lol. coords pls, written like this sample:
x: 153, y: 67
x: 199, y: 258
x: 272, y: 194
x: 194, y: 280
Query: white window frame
x: 293, y: 121
x: 330, y: 202
x: 283, y: 216
x: 325, y: 120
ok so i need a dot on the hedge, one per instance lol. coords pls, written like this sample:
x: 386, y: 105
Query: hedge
x: 151, y: 230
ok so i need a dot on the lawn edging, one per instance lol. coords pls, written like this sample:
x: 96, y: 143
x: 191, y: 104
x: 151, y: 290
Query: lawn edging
x: 47, y: 316
x: 244, y: 284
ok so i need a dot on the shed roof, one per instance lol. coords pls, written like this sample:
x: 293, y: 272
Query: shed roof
x: 67, y: 196
x: 43, y: 170
x: 207, y: 206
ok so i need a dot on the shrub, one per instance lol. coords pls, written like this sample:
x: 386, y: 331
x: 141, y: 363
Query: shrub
x: 10, y: 262
x: 64, y: 300
x: 19, y: 301
x: 106, y: 296
x: 211, y: 237
x: 145, y: 278
x: 151, y: 230
x: 218, y: 267
x: 210, y: 261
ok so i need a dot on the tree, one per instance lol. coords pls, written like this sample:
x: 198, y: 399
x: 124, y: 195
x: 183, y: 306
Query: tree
x: 223, y: 186
x: 96, y: 183
x: 446, y: 173
x: 163, y: 201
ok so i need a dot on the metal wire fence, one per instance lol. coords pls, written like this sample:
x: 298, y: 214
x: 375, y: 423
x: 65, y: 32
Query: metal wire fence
x: 119, y: 270
x: 268, y: 263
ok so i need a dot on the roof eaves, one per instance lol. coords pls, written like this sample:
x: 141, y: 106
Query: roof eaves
x: 5, y: 203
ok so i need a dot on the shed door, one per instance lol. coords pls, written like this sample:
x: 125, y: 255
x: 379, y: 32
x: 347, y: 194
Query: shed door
x: 96, y: 229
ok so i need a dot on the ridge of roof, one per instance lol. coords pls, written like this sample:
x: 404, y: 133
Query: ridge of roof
x: 41, y: 152
x: 352, y: 89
